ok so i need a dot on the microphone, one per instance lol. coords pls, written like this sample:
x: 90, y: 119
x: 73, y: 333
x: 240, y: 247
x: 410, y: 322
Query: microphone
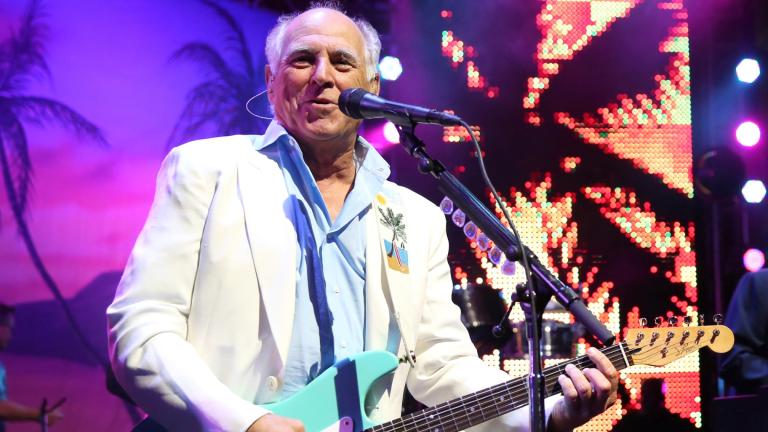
x: 360, y: 104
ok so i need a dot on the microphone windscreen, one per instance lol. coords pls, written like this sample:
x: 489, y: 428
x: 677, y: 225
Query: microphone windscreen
x: 349, y: 102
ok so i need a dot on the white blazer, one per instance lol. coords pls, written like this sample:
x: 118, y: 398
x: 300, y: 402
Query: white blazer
x: 201, y: 322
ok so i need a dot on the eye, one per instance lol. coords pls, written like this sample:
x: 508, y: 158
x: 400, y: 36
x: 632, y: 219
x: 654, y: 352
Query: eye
x: 344, y: 64
x: 302, y: 60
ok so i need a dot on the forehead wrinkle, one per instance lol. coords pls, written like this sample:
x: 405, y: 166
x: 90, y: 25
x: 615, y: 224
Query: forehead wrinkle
x: 326, y: 24
x: 304, y: 48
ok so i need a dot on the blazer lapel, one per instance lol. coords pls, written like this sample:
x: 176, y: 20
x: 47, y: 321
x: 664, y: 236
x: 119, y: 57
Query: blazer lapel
x: 272, y: 239
x: 388, y: 308
x: 377, y: 304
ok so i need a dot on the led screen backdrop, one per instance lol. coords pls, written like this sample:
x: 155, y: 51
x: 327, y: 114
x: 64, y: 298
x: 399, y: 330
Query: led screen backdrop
x: 583, y: 112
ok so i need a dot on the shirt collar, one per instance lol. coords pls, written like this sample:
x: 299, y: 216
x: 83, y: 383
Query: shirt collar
x: 273, y: 133
x: 368, y: 158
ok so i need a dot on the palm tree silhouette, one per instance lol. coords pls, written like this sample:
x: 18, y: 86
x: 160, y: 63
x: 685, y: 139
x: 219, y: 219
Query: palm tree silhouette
x: 21, y: 61
x: 220, y: 99
x: 395, y: 223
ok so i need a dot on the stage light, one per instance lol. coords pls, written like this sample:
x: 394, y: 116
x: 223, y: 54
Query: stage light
x: 748, y: 70
x: 754, y: 259
x: 753, y: 191
x: 748, y: 134
x: 390, y: 68
x: 391, y: 133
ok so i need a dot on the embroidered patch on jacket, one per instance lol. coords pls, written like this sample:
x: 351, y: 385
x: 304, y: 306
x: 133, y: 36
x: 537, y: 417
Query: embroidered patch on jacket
x: 396, y: 246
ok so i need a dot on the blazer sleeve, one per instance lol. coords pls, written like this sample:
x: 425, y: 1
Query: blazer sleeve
x: 147, y: 321
x: 746, y: 365
x: 447, y: 363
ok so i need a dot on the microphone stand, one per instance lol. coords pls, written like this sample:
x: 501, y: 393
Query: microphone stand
x: 540, y: 289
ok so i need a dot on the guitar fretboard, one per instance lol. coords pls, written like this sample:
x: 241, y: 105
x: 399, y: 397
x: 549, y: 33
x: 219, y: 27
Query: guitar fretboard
x: 475, y: 408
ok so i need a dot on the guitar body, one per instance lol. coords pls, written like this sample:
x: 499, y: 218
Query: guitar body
x: 338, y: 393
x: 335, y: 400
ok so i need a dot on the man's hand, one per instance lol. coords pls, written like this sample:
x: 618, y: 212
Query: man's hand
x: 54, y: 416
x: 275, y: 423
x: 586, y: 393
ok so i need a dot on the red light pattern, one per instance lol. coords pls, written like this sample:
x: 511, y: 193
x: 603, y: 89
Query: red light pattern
x: 662, y: 239
x: 546, y: 227
x: 567, y: 26
x: 569, y: 164
x: 653, y: 131
x: 456, y: 50
x: 458, y: 134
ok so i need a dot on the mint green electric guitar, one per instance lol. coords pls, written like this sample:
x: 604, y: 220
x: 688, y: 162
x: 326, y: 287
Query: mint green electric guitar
x: 334, y: 400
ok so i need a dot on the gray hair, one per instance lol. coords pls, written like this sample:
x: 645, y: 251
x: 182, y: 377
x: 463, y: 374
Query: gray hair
x: 274, y: 43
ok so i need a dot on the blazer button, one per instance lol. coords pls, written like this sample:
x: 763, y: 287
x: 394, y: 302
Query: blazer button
x: 273, y: 383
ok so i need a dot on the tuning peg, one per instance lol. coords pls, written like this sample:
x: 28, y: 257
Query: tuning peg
x: 673, y: 321
x: 659, y: 321
x: 701, y: 320
x: 687, y: 320
x: 643, y: 322
x: 717, y: 318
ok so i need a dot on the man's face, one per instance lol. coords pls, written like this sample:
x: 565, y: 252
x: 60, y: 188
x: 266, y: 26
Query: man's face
x: 6, y: 332
x: 322, y: 54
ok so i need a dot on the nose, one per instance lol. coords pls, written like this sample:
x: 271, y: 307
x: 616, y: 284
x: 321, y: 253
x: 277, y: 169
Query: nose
x: 322, y: 75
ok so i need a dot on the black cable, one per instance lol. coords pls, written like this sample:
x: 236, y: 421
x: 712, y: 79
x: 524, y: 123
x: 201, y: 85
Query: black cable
x: 498, y: 328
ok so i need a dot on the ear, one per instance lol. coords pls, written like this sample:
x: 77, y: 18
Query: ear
x: 268, y: 78
x: 375, y: 84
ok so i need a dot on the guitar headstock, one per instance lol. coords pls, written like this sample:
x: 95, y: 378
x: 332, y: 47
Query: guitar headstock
x: 662, y: 345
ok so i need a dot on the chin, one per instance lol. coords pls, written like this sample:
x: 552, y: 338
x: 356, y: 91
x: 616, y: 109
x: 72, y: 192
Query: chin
x: 324, y: 130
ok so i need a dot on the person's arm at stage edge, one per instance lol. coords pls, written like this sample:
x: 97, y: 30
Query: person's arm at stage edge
x: 746, y: 365
x: 12, y: 411
x: 152, y: 360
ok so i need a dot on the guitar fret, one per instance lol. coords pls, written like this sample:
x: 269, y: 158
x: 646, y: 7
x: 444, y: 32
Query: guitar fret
x: 453, y: 417
x: 478, y: 407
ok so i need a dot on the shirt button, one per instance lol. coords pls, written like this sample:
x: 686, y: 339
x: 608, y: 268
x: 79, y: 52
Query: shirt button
x: 344, y: 345
x: 273, y: 383
x: 337, y: 290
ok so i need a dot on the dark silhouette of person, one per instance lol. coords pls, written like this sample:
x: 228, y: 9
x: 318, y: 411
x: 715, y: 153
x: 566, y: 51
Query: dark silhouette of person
x: 11, y: 411
x: 745, y: 367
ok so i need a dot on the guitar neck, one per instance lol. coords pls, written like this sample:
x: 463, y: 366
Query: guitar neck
x: 475, y: 408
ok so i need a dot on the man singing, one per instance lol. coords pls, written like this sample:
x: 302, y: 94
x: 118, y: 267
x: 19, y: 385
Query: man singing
x: 266, y: 258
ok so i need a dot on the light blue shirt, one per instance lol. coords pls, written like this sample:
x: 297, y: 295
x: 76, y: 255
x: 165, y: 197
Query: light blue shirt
x: 340, y: 247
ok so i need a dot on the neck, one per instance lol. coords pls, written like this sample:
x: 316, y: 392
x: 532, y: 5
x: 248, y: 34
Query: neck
x: 475, y: 408
x: 330, y: 163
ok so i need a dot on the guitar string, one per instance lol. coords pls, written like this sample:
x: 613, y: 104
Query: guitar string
x: 475, y: 417
x: 481, y: 398
x: 549, y: 379
x: 486, y: 398
x: 469, y: 420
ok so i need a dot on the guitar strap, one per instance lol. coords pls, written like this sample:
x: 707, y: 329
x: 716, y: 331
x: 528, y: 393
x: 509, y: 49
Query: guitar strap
x: 393, y: 242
